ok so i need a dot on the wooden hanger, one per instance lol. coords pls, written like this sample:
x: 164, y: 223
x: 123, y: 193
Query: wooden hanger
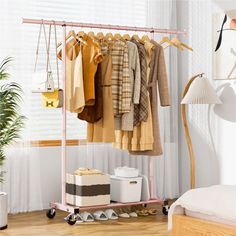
x: 117, y: 36
x: 109, y: 36
x: 178, y: 42
x: 145, y: 38
x: 80, y: 34
x: 100, y: 35
x: 167, y: 40
x: 91, y: 34
x: 70, y: 34
x: 126, y: 37
x: 136, y: 37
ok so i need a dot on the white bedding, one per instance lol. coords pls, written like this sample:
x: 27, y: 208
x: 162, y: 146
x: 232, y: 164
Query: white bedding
x: 216, y: 203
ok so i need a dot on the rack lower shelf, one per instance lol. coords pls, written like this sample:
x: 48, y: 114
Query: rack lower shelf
x: 75, y: 209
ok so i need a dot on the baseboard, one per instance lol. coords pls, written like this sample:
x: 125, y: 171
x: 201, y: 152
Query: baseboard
x: 4, y: 227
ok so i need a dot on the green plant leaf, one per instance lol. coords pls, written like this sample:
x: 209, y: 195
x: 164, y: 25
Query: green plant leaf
x: 3, y: 67
x: 11, y: 122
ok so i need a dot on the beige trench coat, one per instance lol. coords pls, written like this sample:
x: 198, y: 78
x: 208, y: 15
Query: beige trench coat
x: 157, y: 79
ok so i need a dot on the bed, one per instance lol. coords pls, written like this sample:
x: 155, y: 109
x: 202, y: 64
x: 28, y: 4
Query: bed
x: 207, y: 211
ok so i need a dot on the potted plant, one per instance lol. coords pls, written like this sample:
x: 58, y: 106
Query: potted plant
x: 11, y: 123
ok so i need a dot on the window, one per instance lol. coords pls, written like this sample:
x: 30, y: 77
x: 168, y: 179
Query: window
x: 20, y: 41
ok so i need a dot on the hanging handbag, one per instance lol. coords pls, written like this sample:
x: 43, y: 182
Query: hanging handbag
x: 43, y: 80
x: 53, y: 99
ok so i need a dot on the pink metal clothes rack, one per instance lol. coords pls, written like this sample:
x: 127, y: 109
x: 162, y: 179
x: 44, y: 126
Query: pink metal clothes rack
x: 73, y: 210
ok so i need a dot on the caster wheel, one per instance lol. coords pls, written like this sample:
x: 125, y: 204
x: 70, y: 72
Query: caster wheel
x: 51, y: 213
x: 165, y: 210
x: 71, y: 219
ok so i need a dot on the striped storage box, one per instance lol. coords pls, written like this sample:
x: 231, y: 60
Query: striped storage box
x: 87, y: 190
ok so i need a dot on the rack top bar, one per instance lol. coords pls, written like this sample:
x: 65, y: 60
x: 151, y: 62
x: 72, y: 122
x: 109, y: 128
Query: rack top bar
x: 102, y: 26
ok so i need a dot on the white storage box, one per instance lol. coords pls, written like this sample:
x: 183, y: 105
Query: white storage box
x: 87, y: 190
x: 126, y: 189
x: 126, y: 172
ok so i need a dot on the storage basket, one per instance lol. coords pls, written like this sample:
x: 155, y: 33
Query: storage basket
x: 126, y: 189
x: 87, y: 190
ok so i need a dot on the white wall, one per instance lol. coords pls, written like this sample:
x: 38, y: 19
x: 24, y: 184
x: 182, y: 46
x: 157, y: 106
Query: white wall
x: 215, y: 158
x: 226, y: 117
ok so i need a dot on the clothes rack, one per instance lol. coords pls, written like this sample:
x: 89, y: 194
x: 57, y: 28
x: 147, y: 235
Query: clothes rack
x: 73, y: 210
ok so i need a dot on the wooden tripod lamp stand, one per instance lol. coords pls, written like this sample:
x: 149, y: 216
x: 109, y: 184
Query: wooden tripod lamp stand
x: 198, y: 90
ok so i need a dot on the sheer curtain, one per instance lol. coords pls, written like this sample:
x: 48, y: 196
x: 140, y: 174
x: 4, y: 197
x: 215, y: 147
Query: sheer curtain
x: 33, y: 174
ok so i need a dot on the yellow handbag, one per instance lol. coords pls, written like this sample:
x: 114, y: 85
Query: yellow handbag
x: 53, y: 99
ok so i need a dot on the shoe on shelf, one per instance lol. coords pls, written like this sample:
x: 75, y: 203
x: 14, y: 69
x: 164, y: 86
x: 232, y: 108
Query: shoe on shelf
x: 111, y: 214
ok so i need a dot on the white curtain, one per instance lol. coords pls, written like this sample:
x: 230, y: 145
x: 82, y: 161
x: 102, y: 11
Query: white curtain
x: 33, y: 174
x: 22, y: 178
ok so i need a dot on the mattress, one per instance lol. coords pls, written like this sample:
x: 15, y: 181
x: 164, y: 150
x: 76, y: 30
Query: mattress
x: 216, y: 219
x: 215, y: 203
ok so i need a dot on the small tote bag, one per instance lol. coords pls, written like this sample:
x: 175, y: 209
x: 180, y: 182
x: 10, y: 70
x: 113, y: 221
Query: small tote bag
x: 42, y: 79
x: 53, y: 99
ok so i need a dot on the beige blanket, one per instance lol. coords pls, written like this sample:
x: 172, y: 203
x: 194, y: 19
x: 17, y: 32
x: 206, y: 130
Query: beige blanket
x: 87, y: 171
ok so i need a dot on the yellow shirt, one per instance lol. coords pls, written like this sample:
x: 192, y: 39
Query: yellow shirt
x: 75, y: 100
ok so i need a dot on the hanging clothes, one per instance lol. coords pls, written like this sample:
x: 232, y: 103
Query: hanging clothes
x: 94, y: 112
x: 140, y: 110
x: 92, y: 56
x: 126, y: 121
x: 104, y: 129
x: 158, y: 78
x: 75, y: 99
x: 121, y: 85
x: 141, y: 138
x: 124, y: 138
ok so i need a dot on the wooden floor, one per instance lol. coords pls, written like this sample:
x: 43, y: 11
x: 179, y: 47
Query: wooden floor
x: 37, y: 224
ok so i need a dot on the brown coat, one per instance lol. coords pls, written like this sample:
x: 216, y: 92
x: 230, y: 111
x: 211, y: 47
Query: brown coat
x: 157, y: 78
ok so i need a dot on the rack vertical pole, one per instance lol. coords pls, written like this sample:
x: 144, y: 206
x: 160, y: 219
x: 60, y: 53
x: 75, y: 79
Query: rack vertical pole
x: 151, y: 176
x: 151, y: 161
x: 63, y: 153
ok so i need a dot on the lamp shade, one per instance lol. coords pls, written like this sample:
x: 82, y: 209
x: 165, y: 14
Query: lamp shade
x: 201, y: 92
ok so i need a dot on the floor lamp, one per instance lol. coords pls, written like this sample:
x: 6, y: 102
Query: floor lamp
x: 198, y: 90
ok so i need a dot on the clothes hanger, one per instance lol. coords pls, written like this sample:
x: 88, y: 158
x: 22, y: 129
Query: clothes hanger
x: 117, y: 36
x: 69, y: 35
x: 167, y: 40
x: 79, y: 37
x: 145, y: 38
x: 109, y: 36
x: 126, y: 37
x: 81, y: 34
x: 178, y: 42
x: 100, y: 35
x: 91, y: 34
x: 136, y: 37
